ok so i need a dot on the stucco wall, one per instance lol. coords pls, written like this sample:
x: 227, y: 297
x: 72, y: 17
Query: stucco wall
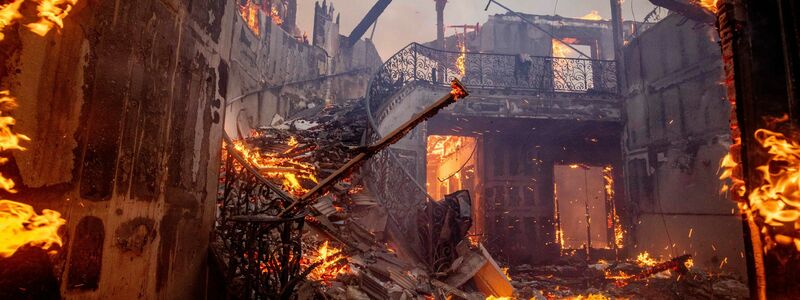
x: 675, y: 137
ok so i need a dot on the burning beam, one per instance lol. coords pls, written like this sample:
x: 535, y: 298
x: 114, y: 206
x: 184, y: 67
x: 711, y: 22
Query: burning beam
x: 680, y: 264
x: 457, y: 91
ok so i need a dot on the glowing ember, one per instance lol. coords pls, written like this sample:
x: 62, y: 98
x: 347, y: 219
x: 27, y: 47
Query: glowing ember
x: 689, y: 263
x: 710, y: 5
x: 644, y: 260
x: 462, y: 59
x: 19, y: 223
x: 278, y: 167
x: 498, y: 298
x: 249, y: 13
x: 51, y: 13
x: 330, y: 263
x: 592, y: 16
x: 457, y: 91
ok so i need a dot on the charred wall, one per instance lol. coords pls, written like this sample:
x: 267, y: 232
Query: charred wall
x: 675, y: 137
x: 125, y: 106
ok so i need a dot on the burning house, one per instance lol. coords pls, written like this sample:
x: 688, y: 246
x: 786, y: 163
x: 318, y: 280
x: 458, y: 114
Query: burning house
x: 162, y: 149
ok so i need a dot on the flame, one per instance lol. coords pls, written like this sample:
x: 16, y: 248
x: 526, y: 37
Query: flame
x: 51, y: 13
x: 710, y: 5
x: 613, y: 217
x: 644, y: 260
x: 498, y: 298
x: 276, y: 166
x: 457, y: 91
x: 505, y: 272
x: 560, y: 49
x: 332, y: 263
x: 249, y: 13
x: 9, y: 13
x: 275, y: 15
x: 462, y: 59
x: 689, y: 263
x: 777, y: 199
x: 592, y: 16
x: 19, y: 223
x: 20, y: 226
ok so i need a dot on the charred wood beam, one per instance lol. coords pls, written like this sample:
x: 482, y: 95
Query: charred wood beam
x: 369, y: 19
x: 686, y: 9
x: 458, y: 91
x: 677, y: 264
x: 759, y: 48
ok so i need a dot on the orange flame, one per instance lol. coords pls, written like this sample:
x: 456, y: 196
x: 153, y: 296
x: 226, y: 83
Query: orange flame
x: 462, y: 59
x: 777, y: 199
x: 644, y: 260
x: 613, y: 218
x: 20, y: 226
x: 249, y: 13
x: 9, y: 13
x: 51, y: 13
x: 275, y: 15
x: 19, y: 223
x: 560, y: 50
x: 710, y: 5
x: 592, y: 16
x: 331, y: 264
x: 276, y: 166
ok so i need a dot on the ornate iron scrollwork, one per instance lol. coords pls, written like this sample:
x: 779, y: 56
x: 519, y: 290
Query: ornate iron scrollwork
x: 262, y: 252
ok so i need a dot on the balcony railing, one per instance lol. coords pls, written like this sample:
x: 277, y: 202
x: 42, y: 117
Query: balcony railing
x: 416, y: 62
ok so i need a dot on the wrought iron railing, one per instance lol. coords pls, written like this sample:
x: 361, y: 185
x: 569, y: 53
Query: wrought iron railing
x: 261, y: 252
x: 416, y: 62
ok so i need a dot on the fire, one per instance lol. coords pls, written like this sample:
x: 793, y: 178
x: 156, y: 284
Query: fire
x: 644, y: 260
x: 560, y: 49
x: 51, y: 13
x: 462, y: 59
x: 689, y: 263
x: 9, y: 13
x: 19, y: 223
x: 279, y: 167
x: 710, y: 5
x: 457, y: 91
x: 613, y: 218
x: 498, y: 298
x: 777, y: 199
x: 20, y: 226
x: 505, y: 272
x: 249, y: 13
x: 275, y: 15
x: 592, y: 16
x: 330, y: 263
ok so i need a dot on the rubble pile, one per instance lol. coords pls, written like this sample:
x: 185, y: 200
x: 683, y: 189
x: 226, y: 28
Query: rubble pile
x: 324, y: 137
x: 572, y: 278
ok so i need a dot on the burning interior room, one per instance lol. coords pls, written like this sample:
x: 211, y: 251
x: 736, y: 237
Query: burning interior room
x: 414, y: 149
